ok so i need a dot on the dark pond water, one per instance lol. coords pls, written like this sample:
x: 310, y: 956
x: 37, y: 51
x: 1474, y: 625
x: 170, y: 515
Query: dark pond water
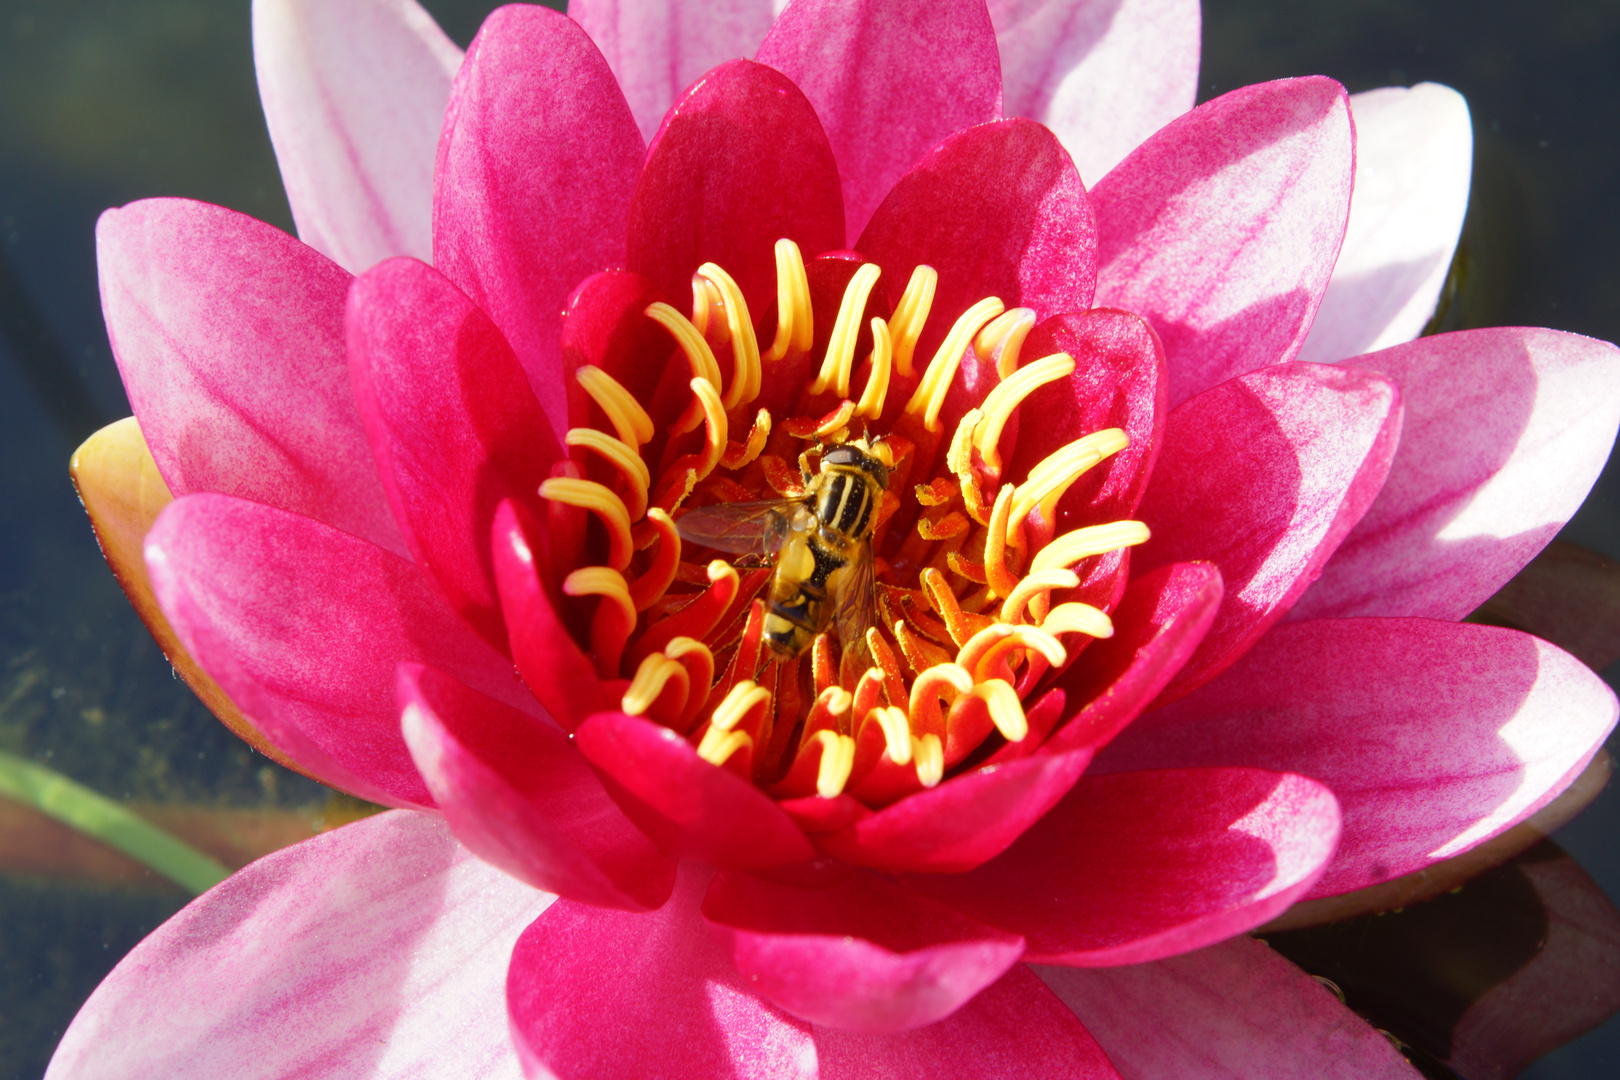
x: 106, y: 101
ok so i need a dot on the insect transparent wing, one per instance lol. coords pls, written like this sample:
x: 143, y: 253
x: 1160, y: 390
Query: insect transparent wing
x: 750, y: 528
x: 852, y: 612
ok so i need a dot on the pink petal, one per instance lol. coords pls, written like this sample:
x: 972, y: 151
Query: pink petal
x: 688, y: 806
x: 1159, y: 623
x: 452, y: 422
x: 552, y: 665
x: 998, y: 210
x: 1015, y: 1030
x: 889, y: 79
x: 372, y: 951
x: 1506, y: 430
x: 1414, y: 158
x: 1222, y: 229
x: 536, y: 165
x: 964, y: 822
x: 657, y: 48
x: 740, y: 163
x: 1234, y: 1011
x: 520, y: 797
x: 190, y: 292
x: 1102, y: 75
x: 598, y: 993
x: 1118, y: 381
x: 303, y: 627
x: 1434, y: 736
x: 354, y: 94
x: 1138, y: 866
x: 1263, y: 476
x: 864, y: 954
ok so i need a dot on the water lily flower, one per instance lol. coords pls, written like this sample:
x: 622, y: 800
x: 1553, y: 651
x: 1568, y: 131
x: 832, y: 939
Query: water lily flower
x: 1165, y: 633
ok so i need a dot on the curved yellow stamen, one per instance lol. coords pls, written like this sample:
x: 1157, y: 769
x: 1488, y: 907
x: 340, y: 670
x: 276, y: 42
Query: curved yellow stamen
x: 877, y: 382
x: 920, y: 653
x: 1008, y: 395
x: 906, y: 324
x: 714, y: 416
x: 896, y: 733
x: 837, y: 761
x: 654, y: 674
x: 1006, y: 711
x: 589, y: 495
x: 929, y: 396
x: 615, y: 616
x: 894, y: 687
x: 623, y: 411
x: 706, y: 299
x: 743, y: 699
x: 657, y: 579
x: 960, y: 625
x: 698, y: 660
x: 942, y: 681
x: 699, y: 357
x: 1077, y: 618
x: 621, y: 457
x: 840, y: 357
x: 1071, y: 547
x: 795, y: 327
x: 738, y: 455
x: 1045, y: 581
x: 718, y: 745
x: 1003, y: 339
x: 998, y: 575
x: 1049, y: 479
x: 745, y: 379
x: 980, y: 655
x: 929, y: 754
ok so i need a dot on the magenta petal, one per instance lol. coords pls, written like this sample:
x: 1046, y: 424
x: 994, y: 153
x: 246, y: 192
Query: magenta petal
x: 1234, y: 1011
x: 1505, y: 432
x: 303, y: 627
x: 998, y: 210
x: 966, y: 821
x: 452, y: 422
x: 374, y: 950
x: 536, y: 165
x: 1222, y: 229
x: 864, y: 954
x: 741, y: 162
x: 688, y: 806
x: 229, y: 336
x: 1015, y: 1030
x: 657, y: 48
x: 1263, y: 476
x: 597, y: 993
x: 520, y: 796
x: 1435, y: 736
x: 1158, y: 624
x: 1118, y: 381
x: 889, y: 79
x: 1137, y: 866
x: 1102, y: 75
x: 354, y: 94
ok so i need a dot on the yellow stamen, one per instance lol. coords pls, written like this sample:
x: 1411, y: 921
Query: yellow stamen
x: 745, y: 379
x: 840, y: 357
x: 1071, y: 547
x: 1045, y: 581
x: 624, y: 412
x: 699, y: 357
x: 998, y: 575
x: 947, y: 681
x: 949, y: 527
x: 743, y: 699
x: 980, y: 655
x: 1008, y: 395
x: 896, y: 733
x: 906, y: 324
x: 929, y: 754
x: 894, y: 687
x: 705, y: 300
x: 920, y: 653
x: 1006, y: 711
x: 795, y: 328
x: 589, y: 495
x: 718, y: 745
x: 837, y: 760
x: 698, y: 661
x: 657, y: 579
x: 714, y: 416
x: 836, y: 420
x: 621, y: 457
x: 929, y: 396
x: 1052, y: 476
x: 959, y: 459
x: 937, y: 493
x: 877, y: 382
x: 959, y: 624
x: 615, y: 616
x: 738, y: 455
x: 647, y: 685
x: 1003, y: 339
x: 1077, y: 618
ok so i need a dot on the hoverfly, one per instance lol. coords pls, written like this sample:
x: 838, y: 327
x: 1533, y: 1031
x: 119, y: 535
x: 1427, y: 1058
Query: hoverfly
x: 822, y: 544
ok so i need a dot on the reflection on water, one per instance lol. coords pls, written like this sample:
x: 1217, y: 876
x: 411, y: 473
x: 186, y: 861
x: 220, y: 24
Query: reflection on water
x: 106, y: 101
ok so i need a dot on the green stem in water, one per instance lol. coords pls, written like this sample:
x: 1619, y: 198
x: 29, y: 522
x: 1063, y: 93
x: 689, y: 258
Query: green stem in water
x: 95, y: 815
